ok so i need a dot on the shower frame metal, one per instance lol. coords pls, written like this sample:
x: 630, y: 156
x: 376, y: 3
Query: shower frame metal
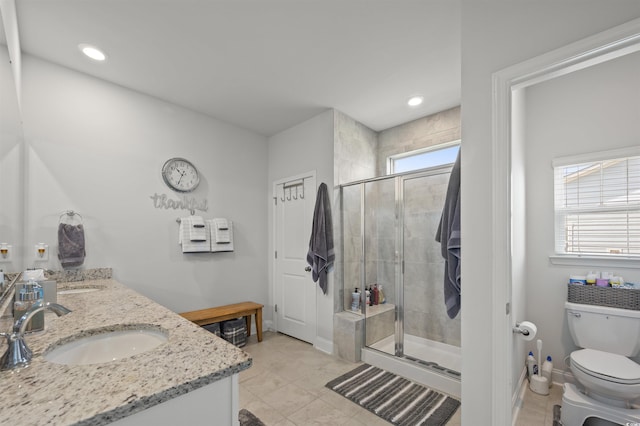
x: 399, y: 179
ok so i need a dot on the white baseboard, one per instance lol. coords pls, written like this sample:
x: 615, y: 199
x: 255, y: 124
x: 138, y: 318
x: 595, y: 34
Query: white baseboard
x: 323, y: 345
x: 560, y: 377
x: 518, y: 396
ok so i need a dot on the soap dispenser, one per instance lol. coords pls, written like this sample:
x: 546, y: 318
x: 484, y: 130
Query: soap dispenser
x: 30, y: 294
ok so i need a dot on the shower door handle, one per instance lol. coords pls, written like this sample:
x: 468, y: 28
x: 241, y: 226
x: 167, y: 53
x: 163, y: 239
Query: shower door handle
x: 308, y: 269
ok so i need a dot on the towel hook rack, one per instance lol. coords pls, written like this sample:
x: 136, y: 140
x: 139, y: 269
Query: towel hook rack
x: 70, y: 214
x: 287, y: 190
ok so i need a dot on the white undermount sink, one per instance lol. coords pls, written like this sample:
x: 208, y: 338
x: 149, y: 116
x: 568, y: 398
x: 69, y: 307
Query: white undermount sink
x: 100, y: 346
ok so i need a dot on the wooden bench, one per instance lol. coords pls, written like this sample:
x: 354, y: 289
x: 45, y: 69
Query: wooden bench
x: 227, y: 312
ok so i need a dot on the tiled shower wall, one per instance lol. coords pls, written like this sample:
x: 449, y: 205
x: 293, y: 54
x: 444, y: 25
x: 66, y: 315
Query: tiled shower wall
x: 424, y: 132
x: 355, y: 147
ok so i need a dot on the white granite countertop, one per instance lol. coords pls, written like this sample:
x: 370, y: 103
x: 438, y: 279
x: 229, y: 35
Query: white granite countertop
x: 48, y: 393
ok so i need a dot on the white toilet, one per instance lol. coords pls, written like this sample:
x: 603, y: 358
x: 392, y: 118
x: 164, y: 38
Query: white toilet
x: 611, y: 381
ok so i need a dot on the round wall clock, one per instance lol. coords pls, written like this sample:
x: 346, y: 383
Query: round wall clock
x: 180, y: 175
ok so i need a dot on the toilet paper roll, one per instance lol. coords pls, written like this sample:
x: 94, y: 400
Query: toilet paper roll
x: 530, y: 328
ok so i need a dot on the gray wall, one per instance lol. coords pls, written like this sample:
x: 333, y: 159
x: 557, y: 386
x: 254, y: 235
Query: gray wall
x: 97, y: 148
x: 11, y: 156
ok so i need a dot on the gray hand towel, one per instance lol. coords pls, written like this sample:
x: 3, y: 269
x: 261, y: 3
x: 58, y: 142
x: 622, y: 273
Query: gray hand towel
x: 448, y: 236
x: 71, y: 250
x: 321, y: 253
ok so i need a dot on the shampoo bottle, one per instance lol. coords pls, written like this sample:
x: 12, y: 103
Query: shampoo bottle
x: 376, y: 294
x: 355, y: 300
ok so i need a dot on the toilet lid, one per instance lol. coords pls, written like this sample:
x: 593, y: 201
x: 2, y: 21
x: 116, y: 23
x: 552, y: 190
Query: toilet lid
x: 607, y: 366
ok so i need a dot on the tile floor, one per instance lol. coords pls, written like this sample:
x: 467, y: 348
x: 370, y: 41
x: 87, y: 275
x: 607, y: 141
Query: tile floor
x: 537, y: 410
x: 286, y: 387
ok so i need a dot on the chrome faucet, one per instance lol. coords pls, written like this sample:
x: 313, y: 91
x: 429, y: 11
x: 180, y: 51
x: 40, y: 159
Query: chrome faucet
x: 18, y: 353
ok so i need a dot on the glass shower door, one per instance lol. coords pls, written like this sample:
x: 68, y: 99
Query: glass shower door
x: 429, y: 334
x: 380, y: 263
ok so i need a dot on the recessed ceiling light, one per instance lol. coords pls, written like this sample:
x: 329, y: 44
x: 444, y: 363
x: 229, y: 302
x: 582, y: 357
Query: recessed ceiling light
x: 92, y: 52
x: 415, y: 101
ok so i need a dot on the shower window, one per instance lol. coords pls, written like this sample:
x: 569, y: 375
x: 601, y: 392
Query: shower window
x: 434, y: 156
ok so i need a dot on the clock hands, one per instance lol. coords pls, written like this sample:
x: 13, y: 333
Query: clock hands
x: 181, y: 175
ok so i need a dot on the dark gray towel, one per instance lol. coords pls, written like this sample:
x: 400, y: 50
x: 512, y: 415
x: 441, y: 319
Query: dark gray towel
x: 71, y: 245
x: 321, y: 255
x: 448, y: 236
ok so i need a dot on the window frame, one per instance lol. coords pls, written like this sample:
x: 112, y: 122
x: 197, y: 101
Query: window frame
x: 392, y: 158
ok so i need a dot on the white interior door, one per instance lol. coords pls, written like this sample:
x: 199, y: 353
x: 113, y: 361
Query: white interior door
x: 295, y: 291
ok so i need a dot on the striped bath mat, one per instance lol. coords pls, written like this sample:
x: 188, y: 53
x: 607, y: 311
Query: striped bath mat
x: 395, y: 399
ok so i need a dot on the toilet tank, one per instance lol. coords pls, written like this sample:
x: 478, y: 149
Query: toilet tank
x: 607, y: 329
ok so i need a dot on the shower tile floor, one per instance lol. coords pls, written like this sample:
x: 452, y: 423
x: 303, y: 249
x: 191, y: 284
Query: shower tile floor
x: 285, y: 387
x: 445, y: 355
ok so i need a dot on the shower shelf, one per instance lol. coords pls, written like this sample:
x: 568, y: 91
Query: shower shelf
x: 378, y: 309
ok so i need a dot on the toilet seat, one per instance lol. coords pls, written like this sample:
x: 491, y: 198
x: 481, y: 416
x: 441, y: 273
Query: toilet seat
x: 607, y: 376
x: 606, y: 366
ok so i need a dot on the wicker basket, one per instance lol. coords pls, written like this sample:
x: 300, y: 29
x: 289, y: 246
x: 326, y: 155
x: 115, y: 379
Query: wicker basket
x: 624, y: 298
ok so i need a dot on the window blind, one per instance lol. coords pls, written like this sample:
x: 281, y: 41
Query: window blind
x: 597, y: 207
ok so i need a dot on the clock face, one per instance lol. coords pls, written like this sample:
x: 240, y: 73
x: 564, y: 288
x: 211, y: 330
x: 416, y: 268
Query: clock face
x: 180, y: 175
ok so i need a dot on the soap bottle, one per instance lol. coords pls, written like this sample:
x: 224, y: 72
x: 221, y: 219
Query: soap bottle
x: 367, y: 296
x: 30, y: 294
x: 376, y: 294
x: 355, y: 300
x: 381, y: 294
x: 547, y: 368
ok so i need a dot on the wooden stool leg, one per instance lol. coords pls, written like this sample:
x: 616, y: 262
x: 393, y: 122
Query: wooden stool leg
x: 247, y: 320
x: 259, y: 323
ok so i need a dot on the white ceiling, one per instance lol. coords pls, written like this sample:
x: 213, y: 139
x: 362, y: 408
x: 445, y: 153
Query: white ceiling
x: 264, y: 65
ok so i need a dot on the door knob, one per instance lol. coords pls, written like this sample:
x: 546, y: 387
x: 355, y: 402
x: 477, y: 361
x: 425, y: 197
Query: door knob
x: 308, y: 268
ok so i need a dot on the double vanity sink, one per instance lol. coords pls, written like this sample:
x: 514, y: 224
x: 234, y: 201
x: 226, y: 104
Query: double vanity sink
x: 120, y: 358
